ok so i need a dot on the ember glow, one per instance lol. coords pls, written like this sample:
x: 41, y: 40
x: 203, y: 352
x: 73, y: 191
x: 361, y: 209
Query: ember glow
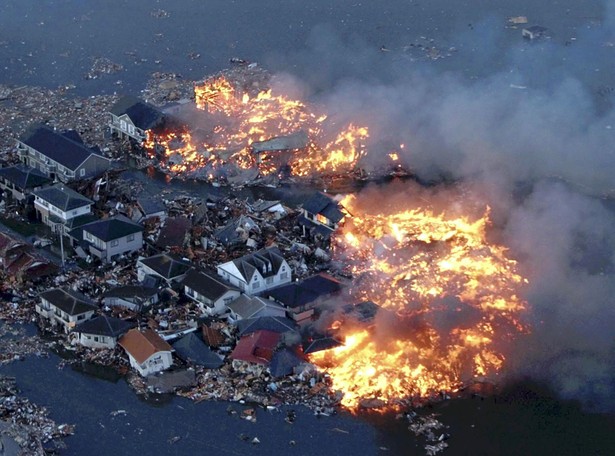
x: 267, y: 131
x: 452, y: 295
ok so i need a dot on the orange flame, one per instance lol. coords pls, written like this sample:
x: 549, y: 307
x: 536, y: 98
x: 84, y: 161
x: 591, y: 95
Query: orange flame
x: 407, y: 262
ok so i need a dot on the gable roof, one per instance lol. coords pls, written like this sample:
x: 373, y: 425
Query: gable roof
x: 257, y: 347
x: 252, y: 307
x: 299, y: 294
x: 151, y: 206
x: 63, y: 197
x: 131, y: 291
x: 142, y: 114
x: 320, y: 343
x: 8, y: 242
x: 112, y: 228
x: 323, y: 204
x: 232, y: 232
x: 24, y: 177
x: 167, y: 266
x: 274, y: 324
x: 66, y: 147
x: 104, y: 326
x: 284, y: 361
x: 192, y: 348
x: 207, y: 284
x: 69, y: 301
x: 267, y: 261
x: 173, y: 232
x: 143, y: 344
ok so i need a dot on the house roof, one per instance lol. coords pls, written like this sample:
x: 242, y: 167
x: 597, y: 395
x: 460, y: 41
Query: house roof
x: 212, y: 336
x: 231, y: 233
x: 320, y: 343
x: 143, y: 344
x: 207, y: 284
x: 363, y: 311
x: 30, y: 265
x: 69, y: 301
x: 274, y: 324
x: 142, y: 114
x: 63, y: 197
x: 104, y: 326
x: 112, y: 228
x: 267, y: 261
x: 299, y: 294
x: 130, y: 291
x: 323, y: 204
x: 150, y: 206
x: 252, y: 307
x: 66, y: 147
x: 166, y: 265
x: 24, y: 177
x: 173, y: 233
x: 297, y: 140
x: 257, y: 347
x: 7, y: 242
x: 284, y: 361
x: 192, y: 348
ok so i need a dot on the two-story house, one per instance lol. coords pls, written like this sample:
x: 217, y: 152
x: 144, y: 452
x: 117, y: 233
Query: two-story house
x: 58, y: 204
x: 101, y: 331
x: 18, y: 182
x: 320, y: 214
x: 147, y: 351
x: 211, y: 293
x: 66, y: 308
x: 131, y: 117
x: 109, y: 238
x: 257, y: 272
x: 60, y: 155
x: 246, y: 307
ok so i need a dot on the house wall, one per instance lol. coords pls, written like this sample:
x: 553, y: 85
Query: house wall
x: 45, y: 208
x: 209, y: 307
x: 157, y: 362
x: 57, y: 316
x: 258, y: 284
x: 97, y: 341
x: 93, y: 166
x: 124, y: 126
x: 121, y: 302
x: 107, y: 250
x: 15, y: 192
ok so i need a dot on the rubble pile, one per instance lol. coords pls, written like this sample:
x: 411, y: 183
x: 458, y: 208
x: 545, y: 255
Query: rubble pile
x: 27, y: 424
x: 15, y: 345
x: 102, y: 66
x: 430, y: 429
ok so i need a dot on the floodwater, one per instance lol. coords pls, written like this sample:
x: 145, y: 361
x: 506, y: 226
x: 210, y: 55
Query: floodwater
x: 54, y: 43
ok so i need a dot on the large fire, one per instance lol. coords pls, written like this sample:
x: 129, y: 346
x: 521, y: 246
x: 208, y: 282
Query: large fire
x: 266, y: 131
x: 451, y: 299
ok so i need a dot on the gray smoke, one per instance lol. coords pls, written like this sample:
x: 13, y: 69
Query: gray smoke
x: 538, y: 132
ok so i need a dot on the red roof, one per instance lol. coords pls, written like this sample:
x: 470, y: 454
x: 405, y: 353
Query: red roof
x: 143, y: 344
x: 257, y: 347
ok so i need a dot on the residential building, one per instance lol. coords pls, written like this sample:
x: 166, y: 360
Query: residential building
x: 257, y: 272
x: 19, y: 262
x: 18, y: 182
x: 257, y: 347
x: 133, y: 297
x: 147, y: 351
x: 245, y: 307
x: 210, y: 292
x: 133, y: 118
x: 60, y: 155
x: 66, y: 308
x: 192, y: 349
x: 58, y: 204
x: 109, y: 238
x: 101, y: 331
x: 321, y: 214
x: 301, y: 298
x: 147, y: 208
x: 166, y: 267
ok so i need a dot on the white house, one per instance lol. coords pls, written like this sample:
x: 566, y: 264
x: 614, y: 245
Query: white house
x: 65, y: 307
x: 101, y: 331
x: 257, y: 272
x: 58, y: 204
x: 109, y: 238
x: 147, y: 351
x: 132, y: 117
x: 211, y: 293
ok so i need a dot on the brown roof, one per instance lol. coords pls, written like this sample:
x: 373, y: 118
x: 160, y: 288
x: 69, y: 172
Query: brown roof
x: 212, y: 337
x: 143, y: 344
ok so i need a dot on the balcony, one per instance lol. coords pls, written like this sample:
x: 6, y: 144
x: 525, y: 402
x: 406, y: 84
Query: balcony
x: 44, y: 312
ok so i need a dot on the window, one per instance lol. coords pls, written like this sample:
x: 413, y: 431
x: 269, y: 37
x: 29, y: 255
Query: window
x: 269, y: 280
x: 74, y: 212
x: 131, y: 237
x: 87, y: 236
x: 115, y: 243
x: 283, y: 276
x: 95, y: 338
x: 80, y: 317
x: 255, y: 285
x: 82, y: 172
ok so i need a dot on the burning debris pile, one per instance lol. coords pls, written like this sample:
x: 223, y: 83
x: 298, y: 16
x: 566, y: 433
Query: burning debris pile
x: 247, y: 124
x: 452, y: 293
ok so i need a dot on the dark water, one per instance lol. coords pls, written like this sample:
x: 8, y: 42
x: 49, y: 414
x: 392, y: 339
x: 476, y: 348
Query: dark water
x: 54, y: 42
